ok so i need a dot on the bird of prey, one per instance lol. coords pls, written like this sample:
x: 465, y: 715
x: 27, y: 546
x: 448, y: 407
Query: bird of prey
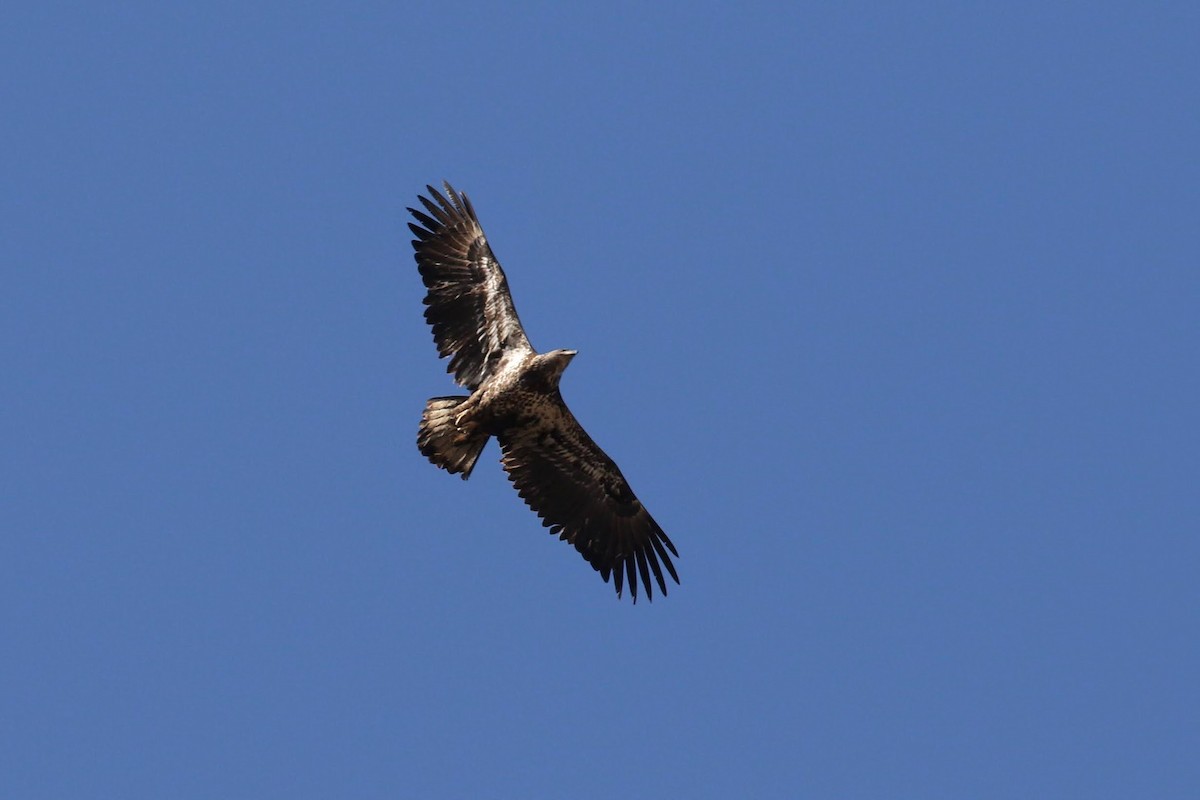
x: 576, y: 490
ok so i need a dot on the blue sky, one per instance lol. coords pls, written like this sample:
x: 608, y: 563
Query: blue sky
x: 887, y: 311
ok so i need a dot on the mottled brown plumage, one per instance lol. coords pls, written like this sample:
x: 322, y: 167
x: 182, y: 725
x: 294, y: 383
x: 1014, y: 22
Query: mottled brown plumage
x: 572, y: 485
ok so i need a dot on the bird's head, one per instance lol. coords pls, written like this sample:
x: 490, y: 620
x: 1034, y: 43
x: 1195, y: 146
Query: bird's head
x: 552, y: 364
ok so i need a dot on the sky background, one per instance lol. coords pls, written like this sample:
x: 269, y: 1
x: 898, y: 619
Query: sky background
x: 889, y: 313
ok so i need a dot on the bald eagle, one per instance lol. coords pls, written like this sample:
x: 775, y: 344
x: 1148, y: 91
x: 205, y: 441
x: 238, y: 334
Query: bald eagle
x: 568, y: 481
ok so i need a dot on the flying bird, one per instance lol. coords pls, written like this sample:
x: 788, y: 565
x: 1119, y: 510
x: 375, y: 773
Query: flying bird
x: 568, y: 481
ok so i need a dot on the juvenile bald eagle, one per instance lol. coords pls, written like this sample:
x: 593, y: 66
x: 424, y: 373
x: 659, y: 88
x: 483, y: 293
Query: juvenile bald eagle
x: 576, y: 490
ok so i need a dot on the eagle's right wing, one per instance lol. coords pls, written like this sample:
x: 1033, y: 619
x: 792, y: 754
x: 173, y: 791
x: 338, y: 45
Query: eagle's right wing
x: 581, y: 495
x: 469, y: 306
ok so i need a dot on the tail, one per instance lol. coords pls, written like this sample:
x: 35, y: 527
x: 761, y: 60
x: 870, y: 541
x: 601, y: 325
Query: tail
x: 444, y: 443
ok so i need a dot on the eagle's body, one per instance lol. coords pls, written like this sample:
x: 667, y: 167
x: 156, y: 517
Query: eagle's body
x: 557, y: 469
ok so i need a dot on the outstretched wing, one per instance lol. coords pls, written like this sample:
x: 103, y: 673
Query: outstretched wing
x: 469, y: 307
x: 581, y: 495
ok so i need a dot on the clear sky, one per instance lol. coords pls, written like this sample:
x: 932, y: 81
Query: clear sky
x: 889, y: 313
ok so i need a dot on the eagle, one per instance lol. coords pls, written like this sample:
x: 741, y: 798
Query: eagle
x: 556, y: 468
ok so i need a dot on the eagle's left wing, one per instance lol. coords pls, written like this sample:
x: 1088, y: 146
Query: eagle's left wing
x: 581, y: 495
x: 469, y: 305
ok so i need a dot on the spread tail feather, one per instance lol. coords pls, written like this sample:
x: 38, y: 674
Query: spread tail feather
x: 445, y: 444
